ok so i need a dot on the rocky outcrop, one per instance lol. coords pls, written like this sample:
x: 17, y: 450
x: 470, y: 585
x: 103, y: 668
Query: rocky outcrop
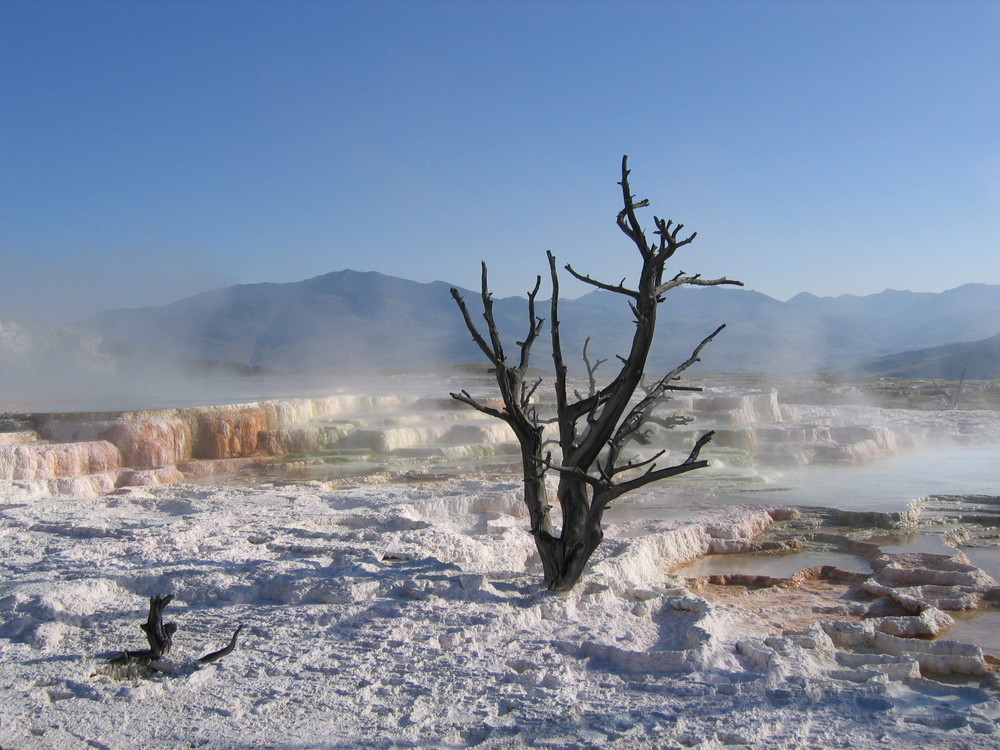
x: 163, y: 437
x: 152, y: 442
x: 669, y: 545
x: 907, y: 597
x: 297, y: 440
x: 942, y: 657
x: 751, y: 428
x: 739, y: 409
x: 120, y: 449
x: 230, y: 431
x: 387, y: 440
x: 207, y: 468
x: 947, y: 582
x: 20, y: 437
x: 165, y: 445
x: 146, y: 477
x: 779, y: 434
x: 146, y: 439
x: 48, y: 461
x: 856, y: 444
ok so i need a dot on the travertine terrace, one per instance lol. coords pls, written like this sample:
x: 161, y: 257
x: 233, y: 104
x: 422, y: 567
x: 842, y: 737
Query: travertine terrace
x: 93, y: 453
x: 374, y: 549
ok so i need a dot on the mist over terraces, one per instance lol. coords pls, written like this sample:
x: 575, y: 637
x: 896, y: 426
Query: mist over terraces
x: 93, y: 453
x: 346, y: 324
x: 355, y: 320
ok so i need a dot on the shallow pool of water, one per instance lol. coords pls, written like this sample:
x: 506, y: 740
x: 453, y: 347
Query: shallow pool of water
x: 893, y: 543
x: 981, y: 626
x: 889, y: 484
x: 986, y: 559
x: 774, y: 565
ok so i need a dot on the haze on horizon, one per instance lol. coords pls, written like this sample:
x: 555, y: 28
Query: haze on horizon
x: 153, y: 151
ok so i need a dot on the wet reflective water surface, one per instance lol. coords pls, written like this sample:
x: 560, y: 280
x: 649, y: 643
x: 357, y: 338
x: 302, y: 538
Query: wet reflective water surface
x: 774, y: 565
x: 889, y: 484
x: 980, y: 626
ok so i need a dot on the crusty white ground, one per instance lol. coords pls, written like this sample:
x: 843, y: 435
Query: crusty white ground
x: 391, y: 615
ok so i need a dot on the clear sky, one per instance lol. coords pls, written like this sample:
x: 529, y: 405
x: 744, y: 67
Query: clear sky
x: 152, y: 150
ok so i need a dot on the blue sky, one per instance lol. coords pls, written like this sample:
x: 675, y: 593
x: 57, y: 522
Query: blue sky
x: 152, y: 150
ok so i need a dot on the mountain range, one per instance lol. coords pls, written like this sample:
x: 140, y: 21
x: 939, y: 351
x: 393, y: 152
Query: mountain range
x: 975, y: 360
x: 357, y: 320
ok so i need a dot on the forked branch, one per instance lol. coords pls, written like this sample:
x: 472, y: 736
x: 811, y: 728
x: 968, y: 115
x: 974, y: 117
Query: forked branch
x: 691, y: 463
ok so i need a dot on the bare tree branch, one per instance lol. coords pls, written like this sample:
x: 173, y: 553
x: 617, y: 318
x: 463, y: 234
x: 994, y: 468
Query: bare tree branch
x: 637, y: 415
x: 534, y: 328
x: 611, y: 471
x: 695, y: 280
x: 160, y: 634
x: 618, y: 288
x: 691, y: 463
x: 225, y: 650
x: 476, y: 336
x: 627, y: 220
x: 669, y: 244
x: 527, y: 392
x: 668, y: 423
x: 465, y: 398
x: 591, y: 368
x: 575, y: 471
x: 554, y: 332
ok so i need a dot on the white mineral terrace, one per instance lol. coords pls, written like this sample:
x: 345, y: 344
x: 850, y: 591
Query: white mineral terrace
x: 80, y: 453
x: 375, y: 551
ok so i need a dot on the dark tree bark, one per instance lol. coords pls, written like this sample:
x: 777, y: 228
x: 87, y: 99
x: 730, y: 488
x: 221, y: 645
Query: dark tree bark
x: 593, y: 428
x: 160, y: 635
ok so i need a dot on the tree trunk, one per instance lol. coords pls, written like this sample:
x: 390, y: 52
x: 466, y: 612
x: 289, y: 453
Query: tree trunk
x: 564, y: 558
x: 536, y: 498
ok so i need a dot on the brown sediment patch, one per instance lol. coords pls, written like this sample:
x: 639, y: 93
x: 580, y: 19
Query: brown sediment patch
x: 208, y: 467
x: 820, y: 593
x: 908, y: 596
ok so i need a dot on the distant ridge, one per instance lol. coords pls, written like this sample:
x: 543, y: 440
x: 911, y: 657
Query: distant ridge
x: 357, y: 320
x: 345, y: 319
x: 976, y: 360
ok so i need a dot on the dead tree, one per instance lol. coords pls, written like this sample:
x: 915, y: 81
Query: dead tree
x: 595, y: 427
x: 160, y: 636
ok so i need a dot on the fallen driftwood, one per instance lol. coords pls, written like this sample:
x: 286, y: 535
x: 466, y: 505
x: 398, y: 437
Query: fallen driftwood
x: 160, y: 637
x: 222, y: 651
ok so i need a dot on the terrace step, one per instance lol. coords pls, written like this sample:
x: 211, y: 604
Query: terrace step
x: 20, y: 437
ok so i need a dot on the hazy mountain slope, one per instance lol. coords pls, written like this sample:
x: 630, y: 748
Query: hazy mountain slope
x: 344, y: 319
x: 976, y: 360
x: 349, y: 319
